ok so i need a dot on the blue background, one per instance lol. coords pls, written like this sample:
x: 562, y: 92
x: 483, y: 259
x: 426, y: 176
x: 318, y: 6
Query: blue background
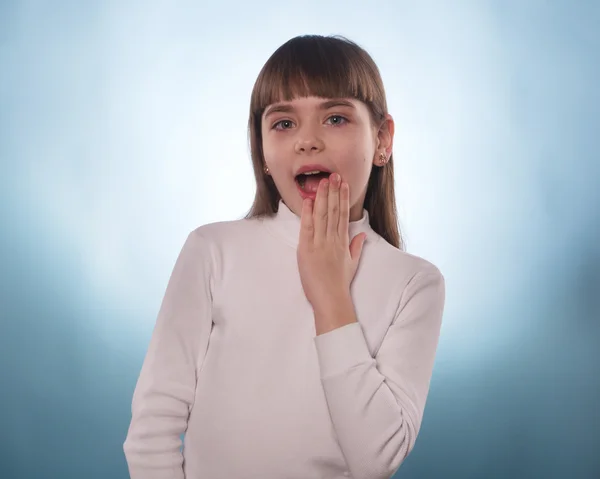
x: 123, y: 127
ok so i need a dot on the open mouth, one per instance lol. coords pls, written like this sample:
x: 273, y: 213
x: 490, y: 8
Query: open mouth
x: 309, y: 181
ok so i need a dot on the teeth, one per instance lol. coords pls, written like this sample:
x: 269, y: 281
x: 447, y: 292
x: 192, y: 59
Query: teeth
x: 315, y: 172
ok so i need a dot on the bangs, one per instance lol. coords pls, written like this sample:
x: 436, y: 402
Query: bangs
x: 316, y: 66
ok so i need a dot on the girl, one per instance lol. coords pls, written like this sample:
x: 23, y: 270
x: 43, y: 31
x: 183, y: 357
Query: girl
x: 299, y: 341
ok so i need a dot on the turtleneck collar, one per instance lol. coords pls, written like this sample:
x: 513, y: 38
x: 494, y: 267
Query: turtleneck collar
x: 286, y: 224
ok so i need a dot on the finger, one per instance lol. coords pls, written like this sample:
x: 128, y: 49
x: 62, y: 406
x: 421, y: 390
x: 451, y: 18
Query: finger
x: 333, y: 206
x: 306, y: 221
x: 320, y: 211
x: 343, y: 224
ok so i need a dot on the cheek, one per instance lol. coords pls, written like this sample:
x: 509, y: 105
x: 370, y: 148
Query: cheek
x: 273, y: 146
x: 354, y: 156
x: 269, y: 152
x: 356, y: 143
x: 356, y: 172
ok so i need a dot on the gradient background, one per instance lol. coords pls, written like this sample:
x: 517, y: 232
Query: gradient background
x: 123, y: 127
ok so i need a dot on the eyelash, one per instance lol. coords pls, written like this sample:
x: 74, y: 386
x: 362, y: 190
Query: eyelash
x: 332, y: 116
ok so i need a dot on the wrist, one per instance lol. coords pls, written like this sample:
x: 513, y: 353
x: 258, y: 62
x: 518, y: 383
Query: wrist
x: 333, y: 303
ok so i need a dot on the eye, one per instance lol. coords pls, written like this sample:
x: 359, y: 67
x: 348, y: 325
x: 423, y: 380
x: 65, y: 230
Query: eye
x: 282, y: 122
x: 287, y: 124
x: 340, y: 119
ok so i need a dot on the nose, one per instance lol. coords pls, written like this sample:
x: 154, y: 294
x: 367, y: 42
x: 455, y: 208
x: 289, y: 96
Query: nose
x: 309, y: 144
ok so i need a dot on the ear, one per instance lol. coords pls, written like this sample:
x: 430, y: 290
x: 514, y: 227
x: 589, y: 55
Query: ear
x: 385, y: 137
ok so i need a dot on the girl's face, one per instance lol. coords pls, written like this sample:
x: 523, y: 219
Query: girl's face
x: 336, y: 134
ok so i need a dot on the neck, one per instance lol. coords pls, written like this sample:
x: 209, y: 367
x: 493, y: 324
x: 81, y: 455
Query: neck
x: 286, y: 224
x: 356, y: 212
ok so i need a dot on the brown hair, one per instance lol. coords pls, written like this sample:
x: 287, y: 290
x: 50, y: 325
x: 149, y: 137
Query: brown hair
x: 327, y: 67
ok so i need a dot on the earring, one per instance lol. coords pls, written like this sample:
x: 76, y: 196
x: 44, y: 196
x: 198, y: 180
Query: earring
x: 266, y: 170
x: 382, y: 159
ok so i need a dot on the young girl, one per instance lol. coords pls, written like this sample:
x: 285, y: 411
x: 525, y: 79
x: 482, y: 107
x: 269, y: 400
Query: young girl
x: 299, y: 341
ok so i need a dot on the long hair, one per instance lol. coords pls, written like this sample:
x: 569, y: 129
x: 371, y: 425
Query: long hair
x: 327, y: 67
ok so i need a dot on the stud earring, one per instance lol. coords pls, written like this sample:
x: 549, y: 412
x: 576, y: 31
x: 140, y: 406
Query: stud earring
x: 266, y: 170
x: 382, y: 159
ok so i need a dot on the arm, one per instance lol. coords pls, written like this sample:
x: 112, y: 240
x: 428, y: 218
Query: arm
x: 165, y: 390
x: 376, y: 404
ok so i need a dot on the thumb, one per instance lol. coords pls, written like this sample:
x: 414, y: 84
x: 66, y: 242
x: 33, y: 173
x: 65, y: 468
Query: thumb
x: 356, y: 246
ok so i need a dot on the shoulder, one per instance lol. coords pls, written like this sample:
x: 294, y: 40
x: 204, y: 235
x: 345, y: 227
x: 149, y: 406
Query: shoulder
x: 223, y: 238
x: 406, y: 276
x: 206, y: 247
x: 222, y: 232
x: 400, y: 263
x: 410, y: 279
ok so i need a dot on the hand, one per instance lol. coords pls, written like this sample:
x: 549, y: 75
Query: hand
x: 327, y: 259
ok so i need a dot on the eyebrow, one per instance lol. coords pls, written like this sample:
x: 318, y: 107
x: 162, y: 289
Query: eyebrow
x: 326, y: 105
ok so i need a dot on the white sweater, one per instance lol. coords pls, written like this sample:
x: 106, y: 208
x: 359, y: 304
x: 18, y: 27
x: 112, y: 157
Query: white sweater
x: 234, y: 362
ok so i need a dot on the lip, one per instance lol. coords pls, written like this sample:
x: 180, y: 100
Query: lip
x: 313, y: 167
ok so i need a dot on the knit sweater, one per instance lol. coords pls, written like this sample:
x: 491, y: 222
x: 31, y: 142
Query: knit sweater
x: 234, y: 363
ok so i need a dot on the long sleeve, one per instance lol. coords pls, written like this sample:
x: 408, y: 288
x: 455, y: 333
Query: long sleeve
x: 165, y: 391
x: 377, y: 404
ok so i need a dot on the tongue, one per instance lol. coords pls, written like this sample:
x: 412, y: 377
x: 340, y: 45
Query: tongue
x: 311, y: 185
